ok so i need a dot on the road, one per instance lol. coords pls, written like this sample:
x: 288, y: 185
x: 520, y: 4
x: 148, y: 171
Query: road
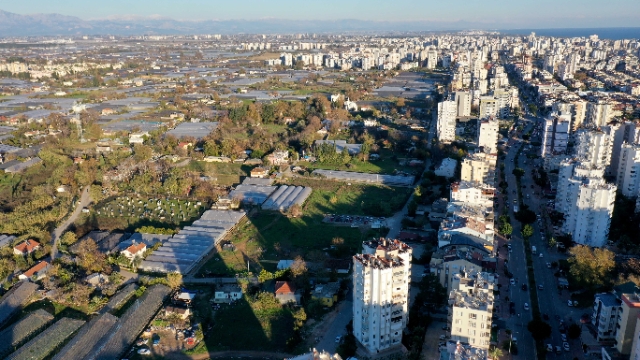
x: 338, y: 327
x: 84, y: 201
x: 552, y: 302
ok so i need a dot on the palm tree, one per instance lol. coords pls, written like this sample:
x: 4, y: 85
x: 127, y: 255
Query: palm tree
x: 495, y: 353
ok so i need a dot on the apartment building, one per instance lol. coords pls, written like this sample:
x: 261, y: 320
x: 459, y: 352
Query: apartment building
x: 623, y: 132
x: 470, y: 310
x: 555, y: 135
x: 594, y: 145
x: 487, y: 135
x: 463, y: 101
x: 503, y: 102
x: 599, y: 113
x: 447, y: 113
x: 627, y: 321
x: 589, y: 208
x: 381, y: 279
x: 472, y: 193
x: 628, y: 173
x: 488, y: 107
x: 432, y: 58
x: 479, y: 168
x: 606, y: 307
x: 579, y: 114
x: 447, y: 262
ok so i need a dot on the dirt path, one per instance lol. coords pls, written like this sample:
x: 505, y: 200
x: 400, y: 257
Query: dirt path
x: 85, y: 199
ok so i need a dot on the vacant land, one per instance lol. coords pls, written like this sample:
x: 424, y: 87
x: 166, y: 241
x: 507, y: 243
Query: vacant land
x: 266, y: 237
x: 224, y: 173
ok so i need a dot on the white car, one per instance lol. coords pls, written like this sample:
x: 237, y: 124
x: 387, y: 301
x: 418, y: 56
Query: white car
x: 526, y: 306
x: 565, y: 345
x: 512, y: 281
x: 144, y: 351
x: 549, y: 348
x: 541, y: 255
x: 569, y: 303
x: 338, y: 338
x: 564, y: 337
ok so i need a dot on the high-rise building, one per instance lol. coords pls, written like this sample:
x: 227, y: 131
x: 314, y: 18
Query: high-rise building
x: 488, y: 107
x: 381, y: 278
x: 463, y: 101
x: 555, y: 135
x: 447, y: 112
x: 487, y: 136
x: 479, y: 168
x: 628, y: 172
x: 470, y: 309
x: 432, y: 58
x: 594, y: 146
x: 599, y: 113
x: 630, y: 309
x: 503, y: 102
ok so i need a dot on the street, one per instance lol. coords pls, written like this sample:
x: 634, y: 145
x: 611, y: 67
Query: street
x: 84, y: 200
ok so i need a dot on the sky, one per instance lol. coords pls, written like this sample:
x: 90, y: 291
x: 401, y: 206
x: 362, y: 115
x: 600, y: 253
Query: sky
x: 494, y: 14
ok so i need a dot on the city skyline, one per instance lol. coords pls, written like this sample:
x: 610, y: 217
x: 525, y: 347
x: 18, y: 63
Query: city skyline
x: 491, y: 14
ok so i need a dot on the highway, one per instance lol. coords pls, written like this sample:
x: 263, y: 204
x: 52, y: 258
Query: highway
x: 552, y: 301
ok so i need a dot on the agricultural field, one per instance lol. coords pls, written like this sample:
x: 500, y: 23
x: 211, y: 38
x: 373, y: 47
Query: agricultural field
x: 136, y: 211
x: 387, y: 164
x: 266, y: 237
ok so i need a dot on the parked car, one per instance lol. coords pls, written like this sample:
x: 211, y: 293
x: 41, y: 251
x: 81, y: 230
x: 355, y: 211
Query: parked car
x: 144, y: 351
x: 526, y: 306
x: 549, y: 348
x: 338, y: 338
x: 540, y: 287
x: 558, y: 350
x: 564, y: 337
x: 512, y: 281
x: 565, y: 345
x: 569, y: 303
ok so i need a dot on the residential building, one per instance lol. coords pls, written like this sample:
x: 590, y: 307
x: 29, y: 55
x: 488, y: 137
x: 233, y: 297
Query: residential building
x: 36, y: 272
x: 447, y: 168
x: 134, y: 251
x: 488, y: 135
x: 627, y: 321
x: 471, y: 309
x: 579, y: 114
x: 474, y: 221
x: 463, y: 101
x: 447, y: 113
x: 432, y: 58
x: 327, y: 294
x: 599, y: 113
x: 446, y: 263
x: 278, y: 157
x: 227, y: 293
x: 622, y: 132
x: 341, y: 145
x: 381, y: 279
x: 259, y: 172
x: 26, y: 247
x: 555, y: 135
x: 479, y: 168
x: 488, y: 107
x: 182, y: 312
x: 594, y: 145
x: 286, y: 293
x: 628, y: 174
x: 606, y: 307
x: 503, y: 102
x: 472, y: 193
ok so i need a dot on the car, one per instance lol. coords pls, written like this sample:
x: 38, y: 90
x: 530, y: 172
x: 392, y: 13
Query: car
x: 338, y: 338
x: 525, y: 306
x: 565, y: 345
x: 512, y: 281
x: 144, y: 351
x: 541, y: 255
x: 569, y: 303
x: 564, y: 337
x: 524, y: 287
x: 549, y: 348
x: 548, y: 265
x: 515, y: 201
x: 540, y: 287
x: 558, y: 349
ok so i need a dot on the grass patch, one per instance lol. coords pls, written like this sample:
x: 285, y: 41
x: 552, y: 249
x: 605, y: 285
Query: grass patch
x: 386, y: 165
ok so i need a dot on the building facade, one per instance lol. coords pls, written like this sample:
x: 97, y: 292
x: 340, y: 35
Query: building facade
x: 488, y: 135
x: 470, y: 310
x: 447, y: 112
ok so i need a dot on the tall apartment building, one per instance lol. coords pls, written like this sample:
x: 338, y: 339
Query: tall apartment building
x: 463, y: 101
x: 487, y: 136
x: 628, y: 173
x: 381, y: 279
x: 589, y: 208
x: 432, y: 58
x: 623, y: 132
x: 447, y: 112
x: 627, y: 322
x: 579, y: 113
x: 599, y: 113
x: 470, y: 310
x: 606, y: 307
x: 568, y: 169
x: 472, y: 193
x: 503, y: 102
x: 555, y: 135
x: 479, y: 168
x: 287, y: 59
x: 594, y: 145
x: 488, y: 107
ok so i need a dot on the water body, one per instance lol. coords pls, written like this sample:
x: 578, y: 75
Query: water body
x: 603, y: 33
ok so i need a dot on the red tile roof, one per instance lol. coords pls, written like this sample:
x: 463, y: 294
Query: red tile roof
x: 27, y: 247
x: 284, y: 287
x: 39, y: 266
x: 133, y: 249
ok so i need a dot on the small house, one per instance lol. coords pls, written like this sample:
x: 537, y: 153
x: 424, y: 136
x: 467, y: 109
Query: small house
x: 182, y: 312
x: 259, y: 172
x: 97, y: 279
x: 36, y: 272
x: 227, y: 293
x: 278, y: 157
x: 135, y: 250
x: 286, y: 293
x: 26, y: 247
x: 327, y: 294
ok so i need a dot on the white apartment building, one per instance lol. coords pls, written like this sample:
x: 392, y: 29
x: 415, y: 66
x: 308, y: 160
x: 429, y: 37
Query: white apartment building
x: 606, y: 307
x: 381, y: 279
x: 488, y: 135
x: 599, y: 113
x: 579, y: 114
x: 463, y: 100
x: 479, y: 168
x: 628, y: 174
x: 488, y: 107
x: 627, y: 321
x: 447, y: 112
x: 622, y: 132
x: 287, y: 59
x: 590, y: 203
x: 555, y: 135
x: 503, y: 102
x: 472, y: 193
x: 594, y: 146
x: 432, y: 58
x: 470, y: 310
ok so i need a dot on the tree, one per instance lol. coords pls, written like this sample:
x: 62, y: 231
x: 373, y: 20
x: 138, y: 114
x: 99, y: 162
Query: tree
x: 518, y: 172
x: 89, y: 257
x: 495, y: 353
x: 174, y: 280
x: 68, y: 238
x: 553, y: 242
x: 298, y: 267
x: 506, y: 229
x: 574, y: 331
x: 527, y: 231
x: 295, y: 210
x: 539, y: 329
x: 591, y: 268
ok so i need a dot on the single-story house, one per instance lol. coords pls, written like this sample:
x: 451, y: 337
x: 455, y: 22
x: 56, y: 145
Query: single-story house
x: 227, y: 293
x: 184, y: 297
x: 135, y: 250
x: 36, y: 272
x: 326, y: 293
x: 278, y: 157
x: 26, y: 247
x: 286, y: 293
x: 183, y: 312
x: 259, y: 172
x: 97, y: 279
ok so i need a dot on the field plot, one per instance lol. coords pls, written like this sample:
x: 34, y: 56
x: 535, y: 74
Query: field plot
x: 140, y: 211
x: 41, y: 346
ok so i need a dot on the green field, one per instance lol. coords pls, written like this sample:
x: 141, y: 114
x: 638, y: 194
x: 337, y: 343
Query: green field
x: 271, y: 236
x: 385, y: 165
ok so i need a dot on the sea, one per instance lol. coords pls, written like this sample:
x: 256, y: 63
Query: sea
x: 603, y: 33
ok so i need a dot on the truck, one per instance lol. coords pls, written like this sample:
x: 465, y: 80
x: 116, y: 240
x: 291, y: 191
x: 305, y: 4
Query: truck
x: 533, y: 250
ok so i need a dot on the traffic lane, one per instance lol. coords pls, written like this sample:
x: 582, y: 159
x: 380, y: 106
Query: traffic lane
x: 338, y: 328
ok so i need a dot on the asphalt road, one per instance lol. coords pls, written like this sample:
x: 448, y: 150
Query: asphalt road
x: 85, y: 199
x: 552, y: 302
